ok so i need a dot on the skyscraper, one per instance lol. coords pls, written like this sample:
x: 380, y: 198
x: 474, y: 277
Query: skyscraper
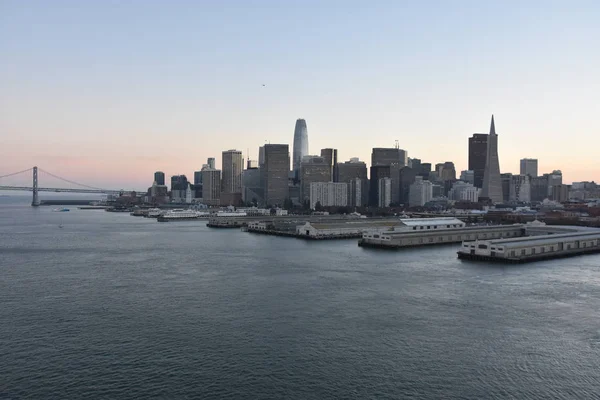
x: 492, y: 182
x: 330, y: 156
x: 477, y: 155
x: 529, y: 166
x: 349, y: 171
x: 274, y: 173
x: 387, y: 156
x: 231, y: 175
x: 313, y: 169
x: 376, y: 173
x: 159, y: 177
x: 211, y: 162
x: 300, y: 145
x: 211, y: 186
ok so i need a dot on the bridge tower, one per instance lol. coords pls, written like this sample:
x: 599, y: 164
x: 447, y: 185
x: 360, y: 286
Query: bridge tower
x: 36, y: 199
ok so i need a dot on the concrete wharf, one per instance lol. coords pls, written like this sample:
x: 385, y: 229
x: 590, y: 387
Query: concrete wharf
x: 533, y: 248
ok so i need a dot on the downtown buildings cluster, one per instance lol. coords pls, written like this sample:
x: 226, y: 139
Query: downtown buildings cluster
x: 392, y: 180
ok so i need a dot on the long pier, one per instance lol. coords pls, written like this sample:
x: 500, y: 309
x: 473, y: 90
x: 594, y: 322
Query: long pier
x: 534, y: 248
x: 397, y: 240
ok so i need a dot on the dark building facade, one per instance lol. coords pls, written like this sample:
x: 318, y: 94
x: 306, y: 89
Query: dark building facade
x: 159, y: 178
x: 350, y: 170
x: 477, y: 156
x: 388, y: 156
x: 330, y: 156
x: 506, y: 181
x: 425, y: 171
x: 407, y: 178
x: 376, y: 173
x: 275, y: 172
x: 539, y: 188
x: 312, y: 170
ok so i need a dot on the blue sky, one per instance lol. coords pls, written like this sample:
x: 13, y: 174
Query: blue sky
x: 110, y: 91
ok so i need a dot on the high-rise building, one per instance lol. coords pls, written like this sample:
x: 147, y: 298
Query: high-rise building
x: 251, y: 186
x: 421, y: 192
x: 231, y: 171
x: 407, y: 178
x: 376, y: 173
x: 328, y: 194
x: 211, y: 162
x: 211, y: 187
x: 351, y: 170
x: 477, y: 156
x: 560, y: 193
x: 554, y: 179
x: 383, y: 156
x: 274, y: 173
x: 251, y: 164
x: 468, y: 176
x: 300, y: 145
x: 539, y: 188
x: 463, y: 191
x: 520, y: 189
x: 492, y: 183
x: 384, y: 194
x: 415, y: 163
x: 425, y: 170
x: 395, y: 169
x: 448, y: 171
x: 355, y: 192
x: 506, y: 179
x: 197, y: 177
x: 529, y: 166
x: 330, y: 157
x: 159, y: 178
x: 313, y: 169
x: 179, y: 185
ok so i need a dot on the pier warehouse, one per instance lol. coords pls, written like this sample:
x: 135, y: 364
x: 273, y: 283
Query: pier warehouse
x: 532, y: 248
x: 430, y: 231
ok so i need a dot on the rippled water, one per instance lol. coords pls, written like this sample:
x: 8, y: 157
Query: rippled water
x: 113, y: 306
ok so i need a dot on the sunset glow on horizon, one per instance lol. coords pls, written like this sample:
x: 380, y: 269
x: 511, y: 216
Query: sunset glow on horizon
x: 107, y: 93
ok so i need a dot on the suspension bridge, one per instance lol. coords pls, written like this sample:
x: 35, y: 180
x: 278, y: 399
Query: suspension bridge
x: 35, y: 188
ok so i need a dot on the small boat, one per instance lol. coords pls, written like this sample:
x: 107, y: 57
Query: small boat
x: 60, y: 226
x: 61, y: 210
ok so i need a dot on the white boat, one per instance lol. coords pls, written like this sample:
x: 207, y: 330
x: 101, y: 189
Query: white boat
x: 179, y: 214
x: 154, y: 213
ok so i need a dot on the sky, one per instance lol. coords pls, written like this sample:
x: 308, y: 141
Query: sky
x: 107, y: 92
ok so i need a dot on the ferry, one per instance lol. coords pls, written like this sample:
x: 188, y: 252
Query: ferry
x: 154, y: 213
x: 179, y: 214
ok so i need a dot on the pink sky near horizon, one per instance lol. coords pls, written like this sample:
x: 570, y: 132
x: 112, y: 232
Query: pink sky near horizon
x: 107, y: 93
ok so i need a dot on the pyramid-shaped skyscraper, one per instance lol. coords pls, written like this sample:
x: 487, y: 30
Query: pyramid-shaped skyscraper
x: 492, y: 182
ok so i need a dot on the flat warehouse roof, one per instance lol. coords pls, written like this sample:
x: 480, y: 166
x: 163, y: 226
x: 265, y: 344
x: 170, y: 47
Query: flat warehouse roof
x: 544, y: 239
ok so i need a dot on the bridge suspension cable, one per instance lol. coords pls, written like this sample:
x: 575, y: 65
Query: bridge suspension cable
x: 69, y: 181
x: 15, y: 173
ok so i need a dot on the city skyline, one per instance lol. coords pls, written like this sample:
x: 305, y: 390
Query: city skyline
x: 110, y: 109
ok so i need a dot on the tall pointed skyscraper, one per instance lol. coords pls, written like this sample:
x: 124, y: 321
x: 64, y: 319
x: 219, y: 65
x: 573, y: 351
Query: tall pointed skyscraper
x: 300, y: 145
x: 492, y: 182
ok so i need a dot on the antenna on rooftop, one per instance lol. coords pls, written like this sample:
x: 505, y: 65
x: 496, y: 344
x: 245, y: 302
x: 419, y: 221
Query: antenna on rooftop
x: 397, y: 145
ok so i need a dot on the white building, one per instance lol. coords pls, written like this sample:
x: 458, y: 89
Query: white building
x: 384, y: 192
x: 520, y: 188
x: 328, y: 194
x: 463, y: 191
x: 420, y: 192
x: 189, y: 194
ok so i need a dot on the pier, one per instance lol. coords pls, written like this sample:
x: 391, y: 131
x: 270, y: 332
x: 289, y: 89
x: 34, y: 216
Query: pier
x: 533, y: 248
x: 410, y: 238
